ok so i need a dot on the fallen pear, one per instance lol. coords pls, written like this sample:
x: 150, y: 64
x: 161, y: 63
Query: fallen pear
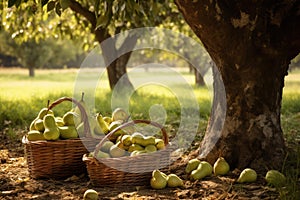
x: 204, y: 169
x: 247, y: 176
x: 174, y: 181
x: 275, y: 178
x: 90, y: 194
x: 158, y: 180
x: 221, y: 167
x: 192, y: 165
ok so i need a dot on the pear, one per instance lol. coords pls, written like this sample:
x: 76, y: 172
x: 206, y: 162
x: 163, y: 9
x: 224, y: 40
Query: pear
x: 159, y: 143
x: 135, y: 147
x: 68, y: 132
x: 102, y: 154
x: 103, y: 125
x: 43, y: 112
x: 221, y: 167
x: 174, y: 181
x: 143, y: 141
x: 90, y: 194
x: 247, y: 176
x: 275, y: 178
x: 39, y: 125
x: 106, y: 146
x: 59, y: 121
x: 126, y: 140
x: 116, y: 152
x: 69, y: 118
x: 32, y: 125
x: 119, y: 114
x: 158, y: 180
x: 204, y: 169
x: 80, y: 130
x: 150, y: 148
x: 192, y: 165
x: 136, y: 136
x: 51, y: 130
x: 95, y: 127
x: 35, y: 135
x: 107, y: 119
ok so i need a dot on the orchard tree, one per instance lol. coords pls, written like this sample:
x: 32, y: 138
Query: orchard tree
x: 252, y: 44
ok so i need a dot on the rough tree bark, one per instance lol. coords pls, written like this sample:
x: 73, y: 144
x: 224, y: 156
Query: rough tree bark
x: 252, y: 43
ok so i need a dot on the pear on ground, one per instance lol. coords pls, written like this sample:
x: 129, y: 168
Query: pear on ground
x: 51, y: 130
x: 275, y: 178
x: 158, y: 180
x: 90, y: 194
x: 35, y: 135
x: 204, y: 169
x: 248, y: 175
x: 192, y: 165
x: 221, y: 167
x: 174, y: 181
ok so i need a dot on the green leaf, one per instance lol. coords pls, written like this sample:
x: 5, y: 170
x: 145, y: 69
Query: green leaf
x: 11, y: 3
x: 50, y: 6
x: 58, y: 9
x: 44, y: 2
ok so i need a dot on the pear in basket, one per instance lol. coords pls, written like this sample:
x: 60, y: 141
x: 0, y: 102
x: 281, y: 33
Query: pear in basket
x: 119, y: 114
x: 35, y: 135
x: 68, y: 132
x: 159, y: 143
x: 51, y: 130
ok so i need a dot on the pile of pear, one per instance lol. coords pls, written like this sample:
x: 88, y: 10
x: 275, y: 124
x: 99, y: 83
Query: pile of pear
x: 47, y: 126
x: 160, y: 180
x: 197, y: 170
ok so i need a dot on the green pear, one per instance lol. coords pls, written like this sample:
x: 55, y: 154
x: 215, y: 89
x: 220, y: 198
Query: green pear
x: 192, y: 165
x: 221, y: 167
x: 69, y: 118
x: 51, y: 130
x: 35, y: 135
x: 126, y: 140
x: 102, y: 154
x: 204, y: 169
x: 116, y: 152
x: 135, y: 147
x: 103, y: 124
x: 174, y: 181
x: 119, y: 114
x: 90, y: 194
x: 107, y: 119
x: 95, y: 128
x: 136, y: 136
x: 43, y: 112
x: 68, y: 132
x: 275, y: 178
x: 59, y: 121
x: 158, y: 180
x: 80, y: 130
x: 39, y: 125
x: 247, y: 176
x: 159, y: 143
x: 32, y: 125
x: 106, y: 146
x: 150, y: 148
x: 143, y: 141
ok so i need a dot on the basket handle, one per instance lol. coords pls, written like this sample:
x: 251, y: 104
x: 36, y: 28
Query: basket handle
x: 131, y: 123
x: 84, y: 117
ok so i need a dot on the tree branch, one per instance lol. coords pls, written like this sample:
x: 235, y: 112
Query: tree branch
x: 78, y: 8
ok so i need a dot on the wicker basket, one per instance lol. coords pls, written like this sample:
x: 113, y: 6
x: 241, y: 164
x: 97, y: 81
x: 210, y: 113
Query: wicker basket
x: 61, y: 158
x: 128, y: 170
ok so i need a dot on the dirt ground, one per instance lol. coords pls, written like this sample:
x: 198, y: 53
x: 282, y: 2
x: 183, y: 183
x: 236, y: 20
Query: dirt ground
x: 15, y: 182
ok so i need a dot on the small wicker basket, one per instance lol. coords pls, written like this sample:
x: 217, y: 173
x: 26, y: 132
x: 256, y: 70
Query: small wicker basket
x: 61, y: 158
x: 128, y: 170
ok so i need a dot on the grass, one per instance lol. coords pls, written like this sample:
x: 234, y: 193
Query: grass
x: 21, y: 98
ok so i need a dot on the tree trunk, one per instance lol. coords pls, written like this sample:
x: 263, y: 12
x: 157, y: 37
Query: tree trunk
x: 31, y: 72
x: 252, y: 49
x: 198, y: 78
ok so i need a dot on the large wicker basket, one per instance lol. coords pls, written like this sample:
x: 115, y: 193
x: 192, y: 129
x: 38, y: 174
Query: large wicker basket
x: 128, y: 170
x: 61, y: 158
